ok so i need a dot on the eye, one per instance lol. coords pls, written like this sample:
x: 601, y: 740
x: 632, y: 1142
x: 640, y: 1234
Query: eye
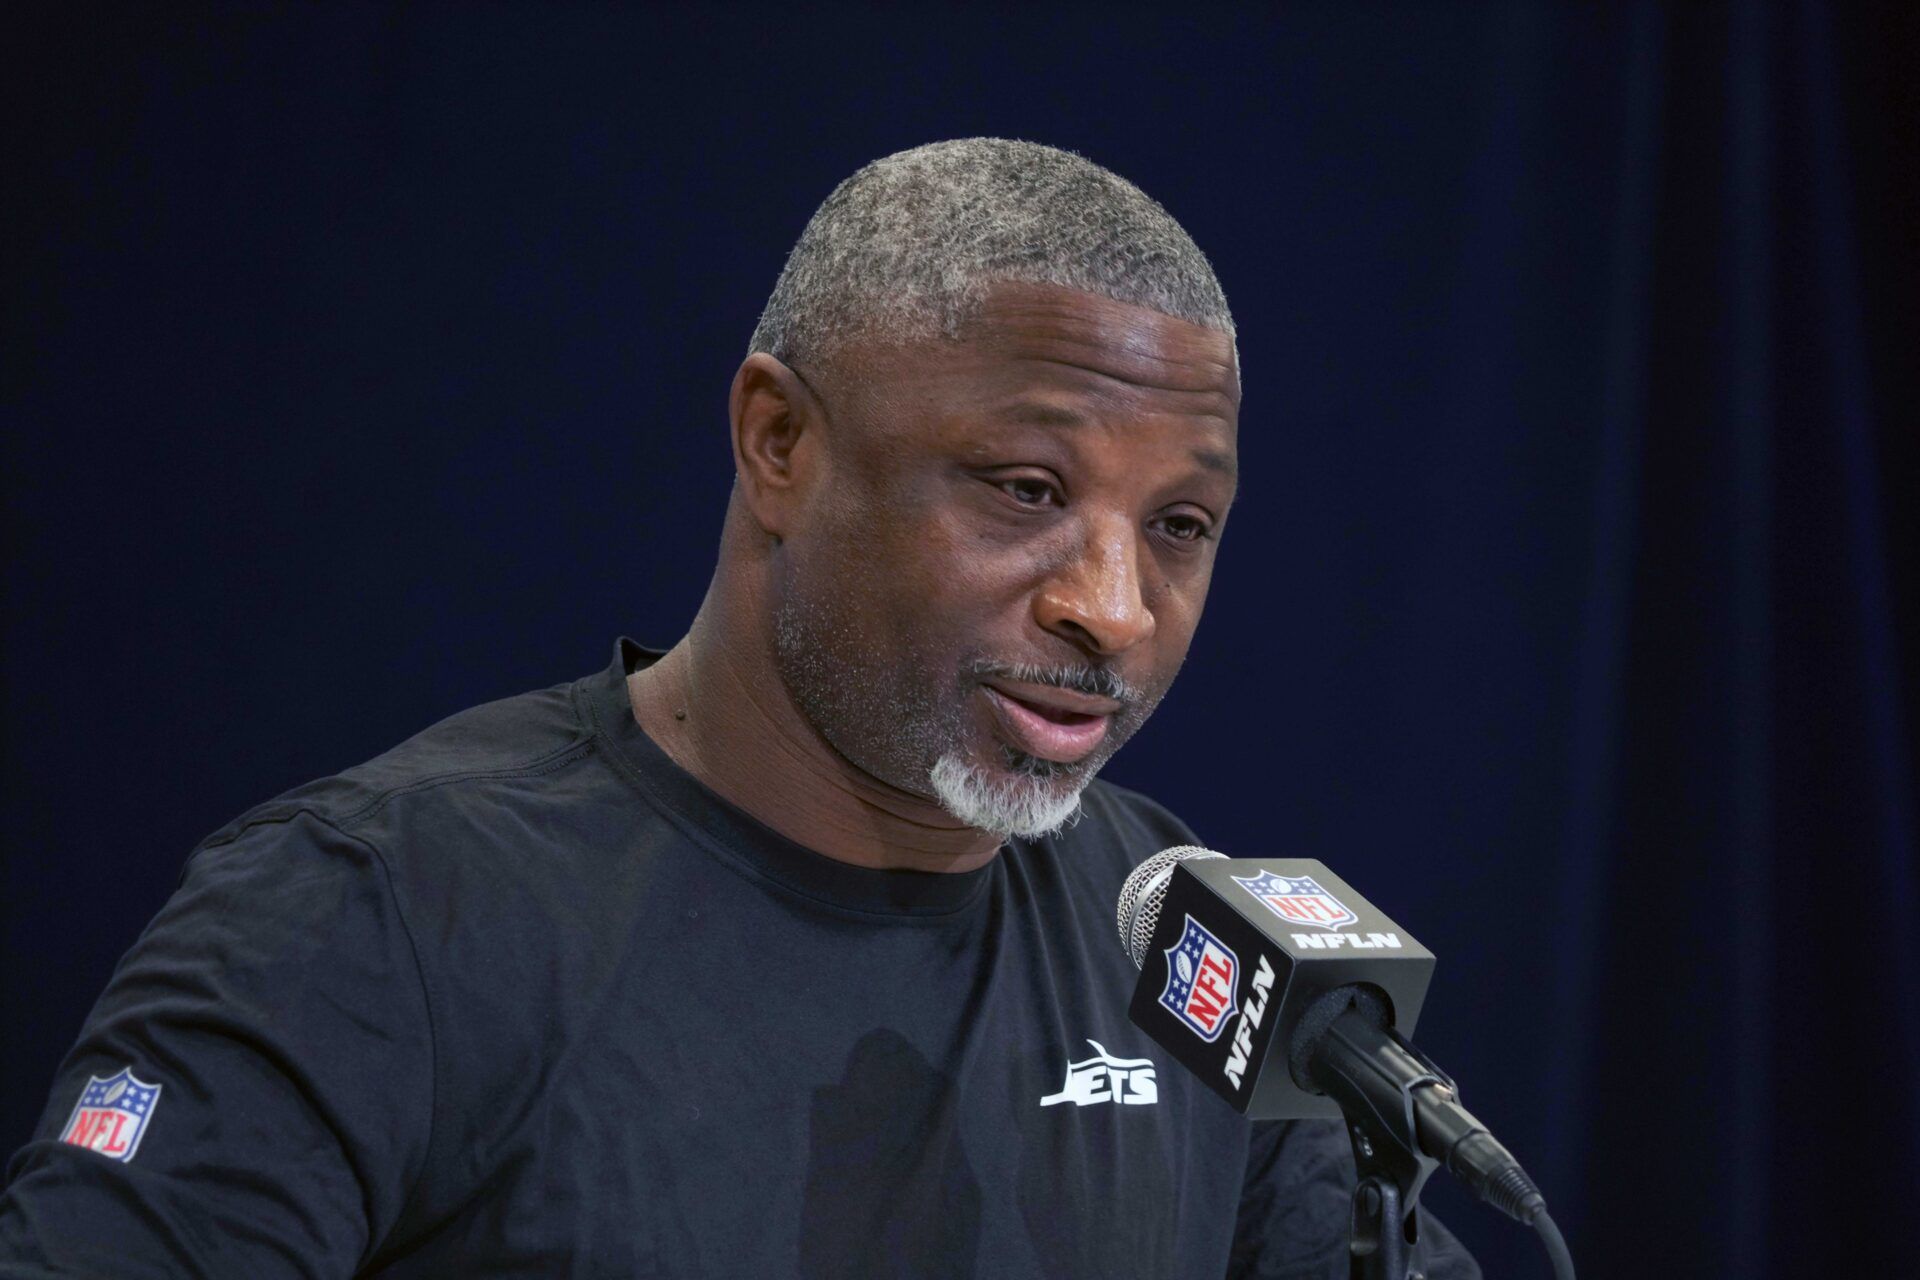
x: 1030, y: 491
x: 1185, y: 528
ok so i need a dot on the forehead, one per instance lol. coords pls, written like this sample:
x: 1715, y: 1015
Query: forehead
x: 1117, y: 340
x: 1044, y: 347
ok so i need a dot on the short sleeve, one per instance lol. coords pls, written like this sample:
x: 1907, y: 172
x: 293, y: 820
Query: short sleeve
x: 1294, y: 1210
x: 253, y: 1093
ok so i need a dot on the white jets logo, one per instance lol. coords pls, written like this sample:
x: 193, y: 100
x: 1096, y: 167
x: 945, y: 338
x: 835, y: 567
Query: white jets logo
x: 1105, y: 1078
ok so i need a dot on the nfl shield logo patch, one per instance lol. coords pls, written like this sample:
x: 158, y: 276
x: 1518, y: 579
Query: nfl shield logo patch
x: 1298, y: 900
x: 112, y: 1115
x: 1201, y: 972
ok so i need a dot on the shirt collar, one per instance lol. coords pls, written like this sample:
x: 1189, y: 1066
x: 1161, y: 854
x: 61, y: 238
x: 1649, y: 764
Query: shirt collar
x: 731, y: 831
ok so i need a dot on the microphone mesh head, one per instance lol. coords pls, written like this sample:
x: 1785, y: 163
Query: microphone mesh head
x: 1144, y: 891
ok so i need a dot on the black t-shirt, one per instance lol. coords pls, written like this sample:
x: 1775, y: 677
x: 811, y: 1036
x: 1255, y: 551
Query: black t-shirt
x: 522, y: 998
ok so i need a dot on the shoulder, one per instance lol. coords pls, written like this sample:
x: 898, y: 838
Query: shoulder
x: 453, y: 762
x: 499, y: 844
x: 472, y: 820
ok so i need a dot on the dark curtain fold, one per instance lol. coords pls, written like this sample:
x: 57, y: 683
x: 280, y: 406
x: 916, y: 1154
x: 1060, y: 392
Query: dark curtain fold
x: 1748, y: 787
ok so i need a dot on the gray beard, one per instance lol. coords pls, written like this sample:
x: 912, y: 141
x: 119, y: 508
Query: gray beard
x: 1023, y: 804
x: 837, y: 691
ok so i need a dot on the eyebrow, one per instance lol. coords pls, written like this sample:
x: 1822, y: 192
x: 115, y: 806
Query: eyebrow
x: 1216, y: 460
x: 1043, y: 414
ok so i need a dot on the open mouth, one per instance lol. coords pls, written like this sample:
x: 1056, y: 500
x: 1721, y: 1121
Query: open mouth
x: 1050, y: 733
x: 1056, y: 714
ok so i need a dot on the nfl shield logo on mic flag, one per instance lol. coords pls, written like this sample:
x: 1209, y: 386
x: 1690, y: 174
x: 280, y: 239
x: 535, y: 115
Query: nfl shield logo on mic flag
x: 1201, y: 971
x: 112, y: 1115
x: 1298, y: 900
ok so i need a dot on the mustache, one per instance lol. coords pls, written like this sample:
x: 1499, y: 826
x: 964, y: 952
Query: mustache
x: 1098, y: 682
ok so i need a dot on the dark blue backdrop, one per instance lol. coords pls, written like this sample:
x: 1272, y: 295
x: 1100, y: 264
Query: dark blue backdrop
x: 361, y: 364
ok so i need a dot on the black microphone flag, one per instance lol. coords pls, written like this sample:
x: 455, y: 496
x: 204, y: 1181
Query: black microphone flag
x: 1233, y: 954
x: 1291, y: 996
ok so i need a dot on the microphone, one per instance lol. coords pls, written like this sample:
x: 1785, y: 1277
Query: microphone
x: 1291, y: 996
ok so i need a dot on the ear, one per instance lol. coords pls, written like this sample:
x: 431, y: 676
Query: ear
x: 776, y: 440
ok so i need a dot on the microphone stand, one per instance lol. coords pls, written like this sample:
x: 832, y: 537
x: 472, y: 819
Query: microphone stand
x: 1383, y: 1210
x: 1391, y: 1165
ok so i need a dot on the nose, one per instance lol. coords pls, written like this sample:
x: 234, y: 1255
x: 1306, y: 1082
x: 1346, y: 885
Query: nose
x: 1096, y: 601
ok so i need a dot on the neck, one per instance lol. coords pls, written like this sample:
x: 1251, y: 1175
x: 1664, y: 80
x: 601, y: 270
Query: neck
x: 717, y: 707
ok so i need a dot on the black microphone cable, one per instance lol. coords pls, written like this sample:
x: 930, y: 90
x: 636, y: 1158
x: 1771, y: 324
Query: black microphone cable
x: 1556, y: 1244
x: 1346, y: 1047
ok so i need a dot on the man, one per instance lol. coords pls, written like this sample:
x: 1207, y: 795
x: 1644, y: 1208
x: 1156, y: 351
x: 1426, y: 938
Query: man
x: 787, y: 952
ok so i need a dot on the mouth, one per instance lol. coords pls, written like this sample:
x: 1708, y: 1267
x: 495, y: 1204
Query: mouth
x: 1050, y: 724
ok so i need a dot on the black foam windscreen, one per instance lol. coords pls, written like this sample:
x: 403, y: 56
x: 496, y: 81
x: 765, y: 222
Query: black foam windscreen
x: 1372, y: 1004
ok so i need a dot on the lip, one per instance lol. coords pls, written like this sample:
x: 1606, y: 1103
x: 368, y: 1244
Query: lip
x: 1048, y: 739
x: 1053, y: 698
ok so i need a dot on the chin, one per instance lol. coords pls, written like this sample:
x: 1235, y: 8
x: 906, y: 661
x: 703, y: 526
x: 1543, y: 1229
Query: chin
x: 1025, y: 800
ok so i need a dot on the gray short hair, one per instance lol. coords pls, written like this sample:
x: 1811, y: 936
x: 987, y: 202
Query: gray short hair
x: 908, y: 245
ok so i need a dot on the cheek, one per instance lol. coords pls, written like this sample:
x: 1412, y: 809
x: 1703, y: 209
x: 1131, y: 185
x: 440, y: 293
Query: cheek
x: 979, y: 577
x: 1177, y: 606
x: 899, y: 578
x: 938, y: 583
x: 1185, y: 596
x: 937, y: 548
